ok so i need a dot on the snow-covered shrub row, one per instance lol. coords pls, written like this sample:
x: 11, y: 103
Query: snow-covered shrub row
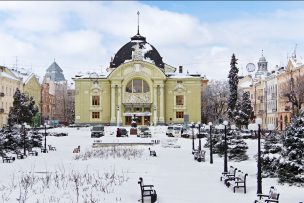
x: 13, y: 140
x: 237, y: 147
x: 111, y: 152
x: 61, y: 186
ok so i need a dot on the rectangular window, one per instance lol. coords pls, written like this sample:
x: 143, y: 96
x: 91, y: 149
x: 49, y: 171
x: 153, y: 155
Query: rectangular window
x: 180, y: 100
x: 179, y: 114
x: 95, y: 101
x: 95, y: 114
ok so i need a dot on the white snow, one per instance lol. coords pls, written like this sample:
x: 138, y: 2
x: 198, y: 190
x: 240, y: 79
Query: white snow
x: 177, y: 178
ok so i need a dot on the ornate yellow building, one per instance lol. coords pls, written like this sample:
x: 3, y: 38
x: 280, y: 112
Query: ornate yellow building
x: 138, y: 84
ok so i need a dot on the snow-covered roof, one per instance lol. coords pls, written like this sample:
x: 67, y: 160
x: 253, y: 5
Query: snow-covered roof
x: 5, y: 75
x: 88, y: 75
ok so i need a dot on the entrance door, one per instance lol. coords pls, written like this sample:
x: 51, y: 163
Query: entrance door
x: 147, y: 120
x: 128, y: 120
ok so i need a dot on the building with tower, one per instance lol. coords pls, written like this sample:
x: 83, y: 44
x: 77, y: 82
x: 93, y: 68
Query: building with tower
x: 54, y: 96
x: 138, y: 83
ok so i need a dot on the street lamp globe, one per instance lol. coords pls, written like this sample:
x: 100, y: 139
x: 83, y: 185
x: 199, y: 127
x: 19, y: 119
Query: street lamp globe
x: 233, y: 127
x: 225, y: 122
x: 210, y: 123
x: 258, y: 121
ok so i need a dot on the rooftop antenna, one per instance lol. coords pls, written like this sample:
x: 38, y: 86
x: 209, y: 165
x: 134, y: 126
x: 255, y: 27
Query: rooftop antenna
x: 16, y: 62
x: 295, y: 52
x: 138, y: 22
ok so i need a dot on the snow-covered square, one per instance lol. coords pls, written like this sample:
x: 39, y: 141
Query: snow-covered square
x: 64, y: 176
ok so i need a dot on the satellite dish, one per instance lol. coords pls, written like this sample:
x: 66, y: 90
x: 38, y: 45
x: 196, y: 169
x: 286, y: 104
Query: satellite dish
x: 250, y: 67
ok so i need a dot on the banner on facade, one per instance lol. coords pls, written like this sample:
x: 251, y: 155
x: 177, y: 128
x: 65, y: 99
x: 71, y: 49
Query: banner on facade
x: 137, y: 114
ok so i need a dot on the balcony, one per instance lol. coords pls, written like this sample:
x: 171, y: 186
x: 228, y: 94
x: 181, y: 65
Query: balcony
x: 287, y: 108
x: 1, y: 110
x: 1, y: 94
x: 274, y: 110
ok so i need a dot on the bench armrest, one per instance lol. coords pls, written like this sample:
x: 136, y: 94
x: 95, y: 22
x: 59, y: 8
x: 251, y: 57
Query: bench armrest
x: 148, y: 186
x: 271, y: 200
x: 262, y: 195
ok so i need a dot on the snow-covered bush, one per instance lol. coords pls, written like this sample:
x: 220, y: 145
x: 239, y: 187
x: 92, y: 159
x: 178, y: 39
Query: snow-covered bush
x: 111, y: 152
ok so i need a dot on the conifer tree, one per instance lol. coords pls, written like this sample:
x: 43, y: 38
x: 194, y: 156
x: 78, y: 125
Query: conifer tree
x: 245, y: 110
x: 291, y: 165
x: 23, y: 110
x: 233, y: 87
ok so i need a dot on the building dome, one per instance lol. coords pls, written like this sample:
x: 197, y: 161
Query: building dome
x: 262, y: 59
x: 137, y: 49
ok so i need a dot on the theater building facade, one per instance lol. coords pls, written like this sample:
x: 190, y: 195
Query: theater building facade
x: 138, y: 84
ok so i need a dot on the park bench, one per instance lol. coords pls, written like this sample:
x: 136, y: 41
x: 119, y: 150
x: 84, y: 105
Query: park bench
x: 44, y: 150
x: 239, y: 181
x: 20, y: 155
x: 76, y: 150
x: 200, y: 155
x: 32, y: 152
x: 8, y: 159
x: 194, y: 151
x: 152, y: 152
x: 51, y: 148
x: 147, y: 191
x: 273, y: 196
x: 230, y: 175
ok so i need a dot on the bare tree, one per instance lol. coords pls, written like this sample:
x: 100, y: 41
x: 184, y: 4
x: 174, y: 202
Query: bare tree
x: 294, y: 92
x: 215, y: 100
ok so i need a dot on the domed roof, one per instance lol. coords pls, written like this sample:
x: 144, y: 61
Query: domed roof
x: 262, y: 59
x: 137, y: 49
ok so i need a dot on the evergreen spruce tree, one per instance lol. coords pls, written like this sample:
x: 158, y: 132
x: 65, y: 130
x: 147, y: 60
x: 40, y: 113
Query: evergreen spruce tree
x: 270, y: 155
x: 245, y: 110
x: 23, y: 110
x: 233, y: 88
x: 237, y: 147
x: 291, y: 165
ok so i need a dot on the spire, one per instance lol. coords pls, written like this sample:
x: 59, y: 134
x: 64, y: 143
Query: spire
x: 138, y: 22
x: 262, y: 52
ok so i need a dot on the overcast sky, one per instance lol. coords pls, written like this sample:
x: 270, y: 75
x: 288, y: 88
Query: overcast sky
x: 201, y: 36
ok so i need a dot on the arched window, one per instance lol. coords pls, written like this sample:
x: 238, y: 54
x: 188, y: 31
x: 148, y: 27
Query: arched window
x: 137, y: 86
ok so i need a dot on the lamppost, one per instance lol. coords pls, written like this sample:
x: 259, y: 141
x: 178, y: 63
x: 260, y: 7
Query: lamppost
x: 257, y: 127
x: 209, y: 126
x: 44, y: 136
x: 225, y: 123
x: 192, y: 126
x: 24, y: 147
x: 198, y: 126
x: 224, y: 126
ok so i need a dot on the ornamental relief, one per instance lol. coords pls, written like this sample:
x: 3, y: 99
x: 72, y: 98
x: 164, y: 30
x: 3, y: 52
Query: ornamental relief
x: 137, y: 97
x: 180, y: 88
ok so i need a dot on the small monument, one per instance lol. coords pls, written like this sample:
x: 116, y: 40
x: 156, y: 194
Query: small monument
x: 133, y: 130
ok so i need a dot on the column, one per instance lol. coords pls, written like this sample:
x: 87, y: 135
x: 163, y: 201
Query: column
x: 155, y: 104
x: 113, y: 118
x: 161, y: 105
x: 119, y: 119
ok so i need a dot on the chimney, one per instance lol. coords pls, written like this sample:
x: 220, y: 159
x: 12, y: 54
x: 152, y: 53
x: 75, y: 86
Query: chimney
x: 180, y: 69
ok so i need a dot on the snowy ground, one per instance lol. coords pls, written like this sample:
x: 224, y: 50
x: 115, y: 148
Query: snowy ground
x: 176, y: 177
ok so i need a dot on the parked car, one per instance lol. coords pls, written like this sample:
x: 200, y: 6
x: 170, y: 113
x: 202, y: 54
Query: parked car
x: 121, y: 132
x: 144, y: 131
x: 245, y: 133
x: 97, y: 131
x: 174, y: 131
